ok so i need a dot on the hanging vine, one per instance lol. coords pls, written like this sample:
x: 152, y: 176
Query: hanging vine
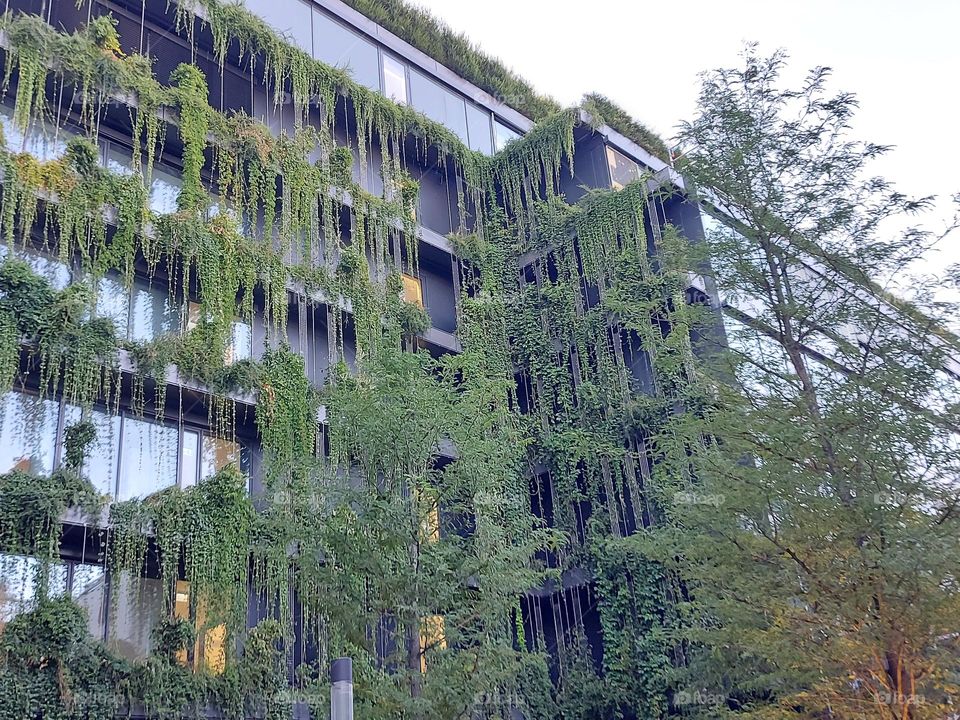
x: 396, y: 521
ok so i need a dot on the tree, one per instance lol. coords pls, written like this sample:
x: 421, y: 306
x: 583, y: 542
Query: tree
x: 813, y: 506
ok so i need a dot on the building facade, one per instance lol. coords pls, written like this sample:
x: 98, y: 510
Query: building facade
x: 424, y: 335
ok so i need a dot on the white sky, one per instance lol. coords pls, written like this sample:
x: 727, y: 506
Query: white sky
x: 902, y: 59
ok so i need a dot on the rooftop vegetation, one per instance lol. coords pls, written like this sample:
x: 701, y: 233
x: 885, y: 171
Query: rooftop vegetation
x: 455, y: 50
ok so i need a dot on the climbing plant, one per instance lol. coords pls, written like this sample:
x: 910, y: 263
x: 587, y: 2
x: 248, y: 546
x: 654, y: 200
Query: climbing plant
x: 393, y: 519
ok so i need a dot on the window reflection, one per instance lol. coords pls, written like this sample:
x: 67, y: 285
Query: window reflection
x: 20, y: 582
x: 290, y: 19
x: 153, y: 312
x: 100, y: 465
x: 241, y: 343
x: 20, y: 588
x: 164, y: 191
x: 218, y: 454
x: 139, y: 602
x: 148, y: 458
x: 394, y: 79
x: 119, y: 162
x: 113, y: 302
x: 53, y: 270
x: 478, y: 127
x: 88, y: 590
x: 623, y: 170
x: 338, y: 46
x: 41, y: 140
x: 188, y: 458
x: 502, y: 135
x: 141, y: 313
x: 28, y: 431
x: 438, y: 104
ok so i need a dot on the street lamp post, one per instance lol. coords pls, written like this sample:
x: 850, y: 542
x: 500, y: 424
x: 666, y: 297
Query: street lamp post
x: 341, y: 689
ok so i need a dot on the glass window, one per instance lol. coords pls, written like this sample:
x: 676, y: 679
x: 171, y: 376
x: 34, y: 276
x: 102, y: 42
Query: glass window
x: 113, y: 301
x: 412, y: 290
x: 88, y: 590
x: 142, y: 313
x: 138, y: 606
x: 28, y: 432
x: 153, y: 312
x: 188, y: 459
x: 51, y: 269
x: 336, y: 45
x: 148, y: 458
x: 439, y: 104
x: 394, y: 79
x: 290, y: 18
x: 217, y: 454
x: 209, y: 649
x: 502, y: 135
x: 623, y: 170
x: 478, y: 126
x: 12, y: 136
x: 164, y: 191
x: 100, y: 466
x: 20, y: 584
x: 43, y: 141
x: 241, y: 343
x: 433, y: 636
x: 119, y: 161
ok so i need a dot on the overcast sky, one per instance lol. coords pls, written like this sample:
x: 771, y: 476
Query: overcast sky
x: 900, y: 58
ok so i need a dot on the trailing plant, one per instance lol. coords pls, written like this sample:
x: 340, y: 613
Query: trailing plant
x: 397, y: 523
x: 50, y: 667
x: 204, y: 529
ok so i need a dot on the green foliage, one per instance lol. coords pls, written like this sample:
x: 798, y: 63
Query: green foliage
x: 287, y: 410
x: 204, y: 529
x: 368, y: 495
x: 422, y: 30
x: 76, y: 445
x: 809, y: 506
x: 413, y: 319
x: 51, y: 668
x: 51, y: 326
x: 191, y: 94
